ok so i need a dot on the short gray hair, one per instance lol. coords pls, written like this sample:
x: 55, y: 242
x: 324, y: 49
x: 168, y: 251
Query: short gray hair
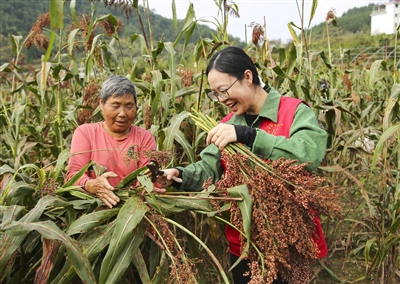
x: 117, y: 86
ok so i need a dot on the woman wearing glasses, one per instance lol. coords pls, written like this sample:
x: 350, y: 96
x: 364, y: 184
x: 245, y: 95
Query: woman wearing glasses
x: 270, y: 125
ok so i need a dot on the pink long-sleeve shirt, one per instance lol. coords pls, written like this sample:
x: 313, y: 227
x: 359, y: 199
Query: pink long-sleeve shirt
x: 121, y: 156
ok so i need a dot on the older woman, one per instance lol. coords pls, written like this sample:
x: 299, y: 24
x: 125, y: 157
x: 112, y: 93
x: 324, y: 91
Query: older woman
x: 114, y: 143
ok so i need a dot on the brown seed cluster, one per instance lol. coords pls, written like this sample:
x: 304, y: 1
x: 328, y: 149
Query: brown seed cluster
x: 257, y: 34
x: 163, y: 158
x: 186, y: 75
x: 109, y: 28
x: 49, y: 187
x: 84, y: 28
x: 148, y: 121
x: 36, y: 36
x: 84, y: 24
x: 282, y: 222
x: 91, y: 100
x: 330, y: 15
x: 347, y: 82
x: 183, y: 271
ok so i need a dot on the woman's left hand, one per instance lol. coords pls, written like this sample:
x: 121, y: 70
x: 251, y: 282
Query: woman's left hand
x: 221, y: 135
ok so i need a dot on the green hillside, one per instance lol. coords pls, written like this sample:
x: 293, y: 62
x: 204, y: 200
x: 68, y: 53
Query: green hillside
x: 17, y: 18
x: 350, y: 30
x: 355, y: 20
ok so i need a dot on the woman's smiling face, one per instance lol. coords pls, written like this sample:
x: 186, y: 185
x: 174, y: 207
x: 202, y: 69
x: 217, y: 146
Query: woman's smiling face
x: 239, y: 96
x: 119, y: 113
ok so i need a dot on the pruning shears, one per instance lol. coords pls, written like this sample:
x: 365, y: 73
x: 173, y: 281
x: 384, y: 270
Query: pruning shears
x: 154, y: 168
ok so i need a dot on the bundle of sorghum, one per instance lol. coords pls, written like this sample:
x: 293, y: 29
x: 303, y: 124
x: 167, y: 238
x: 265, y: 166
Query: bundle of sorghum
x: 282, y: 223
x: 285, y: 200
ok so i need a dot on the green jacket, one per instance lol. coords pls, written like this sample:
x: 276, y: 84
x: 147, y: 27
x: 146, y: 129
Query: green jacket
x: 307, y: 143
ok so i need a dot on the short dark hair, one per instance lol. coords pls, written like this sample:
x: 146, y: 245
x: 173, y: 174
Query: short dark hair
x: 234, y: 61
x: 117, y: 86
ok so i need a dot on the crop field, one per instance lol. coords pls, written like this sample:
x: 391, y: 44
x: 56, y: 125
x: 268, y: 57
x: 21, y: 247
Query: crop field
x: 52, y: 232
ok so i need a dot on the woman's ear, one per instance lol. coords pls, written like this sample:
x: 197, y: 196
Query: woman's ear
x: 248, y: 76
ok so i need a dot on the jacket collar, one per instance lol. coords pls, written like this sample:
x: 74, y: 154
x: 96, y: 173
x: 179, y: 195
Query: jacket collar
x: 271, y: 106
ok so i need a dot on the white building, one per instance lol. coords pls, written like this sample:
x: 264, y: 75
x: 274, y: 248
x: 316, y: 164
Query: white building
x: 385, y: 18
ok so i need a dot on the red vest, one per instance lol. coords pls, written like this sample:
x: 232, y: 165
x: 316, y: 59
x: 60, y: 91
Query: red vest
x: 286, y: 112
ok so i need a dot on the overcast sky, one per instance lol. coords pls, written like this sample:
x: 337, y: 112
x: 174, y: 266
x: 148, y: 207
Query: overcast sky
x: 277, y: 13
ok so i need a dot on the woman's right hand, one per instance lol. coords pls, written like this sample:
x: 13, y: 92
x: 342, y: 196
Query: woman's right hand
x: 102, y: 188
x: 165, y: 180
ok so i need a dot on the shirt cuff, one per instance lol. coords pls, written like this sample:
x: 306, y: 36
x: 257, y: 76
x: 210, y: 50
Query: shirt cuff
x: 82, y: 182
x: 245, y: 134
x: 176, y: 184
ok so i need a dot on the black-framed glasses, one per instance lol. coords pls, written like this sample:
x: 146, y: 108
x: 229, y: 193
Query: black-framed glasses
x: 217, y: 96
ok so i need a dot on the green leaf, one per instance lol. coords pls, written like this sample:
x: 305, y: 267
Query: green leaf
x: 246, y: 208
x: 172, y: 67
x: 20, y: 188
x: 73, y: 11
x: 94, y: 43
x: 10, y: 213
x: 188, y: 22
x: 130, y: 215
x: 6, y: 169
x: 127, y: 254
x: 313, y: 10
x: 183, y: 203
x: 90, y: 221
x: 390, y: 107
x: 292, y: 32
x: 94, y: 242
x: 185, y: 91
x: 140, y: 265
x: 50, y: 231
x: 325, y: 59
x: 181, y: 138
x: 173, y: 128
x: 130, y: 178
x: 174, y: 17
x: 145, y: 180
x: 61, y: 160
x: 16, y: 44
x: 71, y: 40
x: 279, y: 71
x: 56, y: 14
x: 56, y: 22
x: 188, y: 37
x: 369, y: 246
x: 381, y: 143
x: 157, y: 51
x: 330, y: 272
x: 9, y: 244
x: 77, y: 176
x: 76, y: 191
